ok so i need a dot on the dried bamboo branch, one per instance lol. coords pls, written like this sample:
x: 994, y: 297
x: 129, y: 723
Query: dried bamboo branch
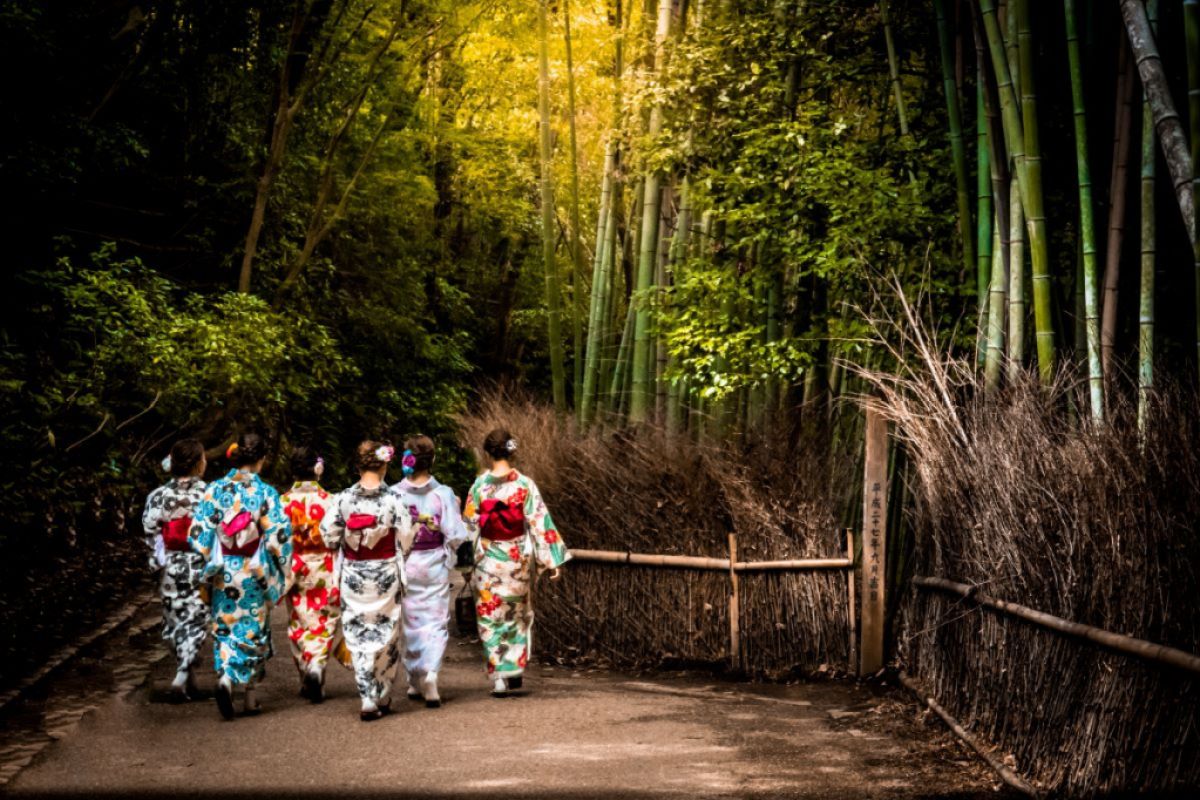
x: 1007, y: 775
x: 1129, y: 645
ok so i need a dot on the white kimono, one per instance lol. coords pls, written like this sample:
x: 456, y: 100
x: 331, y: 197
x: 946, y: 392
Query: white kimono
x: 370, y: 529
x: 434, y: 512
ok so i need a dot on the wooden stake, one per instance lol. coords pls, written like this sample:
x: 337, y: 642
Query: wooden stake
x: 734, y: 611
x: 874, y: 548
x: 850, y: 596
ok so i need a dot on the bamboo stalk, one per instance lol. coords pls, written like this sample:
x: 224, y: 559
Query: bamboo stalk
x: 984, y: 200
x: 576, y: 230
x: 954, y: 115
x: 703, y: 562
x: 1166, y: 119
x: 1191, y: 18
x: 997, y: 306
x: 1116, y: 222
x: 600, y: 286
x: 1146, y: 298
x: 893, y: 67
x: 1006, y: 774
x: 1016, y: 282
x: 1087, y: 226
x: 643, y: 345
x: 1032, y: 202
x: 1128, y: 645
x: 549, y: 229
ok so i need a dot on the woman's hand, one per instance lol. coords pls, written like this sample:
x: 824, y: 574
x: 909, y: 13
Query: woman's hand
x: 556, y: 573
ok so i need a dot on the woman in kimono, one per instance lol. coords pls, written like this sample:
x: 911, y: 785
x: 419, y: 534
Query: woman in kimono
x: 370, y: 528
x: 433, y: 509
x: 512, y: 528
x: 315, y: 607
x: 244, y: 536
x: 166, y: 521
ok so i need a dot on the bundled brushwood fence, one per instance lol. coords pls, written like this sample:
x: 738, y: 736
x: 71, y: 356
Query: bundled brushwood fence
x: 1079, y: 544
x: 658, y: 495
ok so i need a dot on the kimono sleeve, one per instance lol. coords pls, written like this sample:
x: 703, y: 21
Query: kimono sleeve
x: 406, y: 531
x: 549, y: 549
x: 333, y: 526
x: 277, y: 543
x: 202, y: 536
x: 453, y: 527
x: 470, y: 513
x: 152, y: 520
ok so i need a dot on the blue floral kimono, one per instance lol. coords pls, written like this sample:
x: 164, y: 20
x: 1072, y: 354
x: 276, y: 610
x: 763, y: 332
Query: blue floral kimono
x: 243, y: 534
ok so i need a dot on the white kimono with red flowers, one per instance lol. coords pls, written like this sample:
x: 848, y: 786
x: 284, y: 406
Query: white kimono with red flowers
x: 370, y: 528
x: 503, y: 568
x: 314, y: 601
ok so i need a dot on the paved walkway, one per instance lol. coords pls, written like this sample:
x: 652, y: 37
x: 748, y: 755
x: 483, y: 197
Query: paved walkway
x: 101, y: 729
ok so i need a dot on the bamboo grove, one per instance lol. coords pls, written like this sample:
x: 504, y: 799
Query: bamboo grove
x: 768, y: 165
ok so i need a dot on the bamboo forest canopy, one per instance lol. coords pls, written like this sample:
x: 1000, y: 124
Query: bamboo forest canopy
x: 334, y: 218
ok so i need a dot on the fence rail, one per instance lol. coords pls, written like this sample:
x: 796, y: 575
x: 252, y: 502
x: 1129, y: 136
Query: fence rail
x: 732, y: 567
x: 700, y: 562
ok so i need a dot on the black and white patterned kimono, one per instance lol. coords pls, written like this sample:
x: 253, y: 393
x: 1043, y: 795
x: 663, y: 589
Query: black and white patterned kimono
x: 370, y: 528
x: 168, y: 516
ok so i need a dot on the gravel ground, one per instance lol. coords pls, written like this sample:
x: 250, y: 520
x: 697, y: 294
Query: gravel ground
x: 99, y: 727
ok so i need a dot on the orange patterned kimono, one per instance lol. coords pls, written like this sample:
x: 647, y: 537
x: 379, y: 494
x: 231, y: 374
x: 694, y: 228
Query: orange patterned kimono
x: 315, y: 607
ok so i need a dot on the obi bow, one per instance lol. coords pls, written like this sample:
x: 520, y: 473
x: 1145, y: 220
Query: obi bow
x: 501, y: 522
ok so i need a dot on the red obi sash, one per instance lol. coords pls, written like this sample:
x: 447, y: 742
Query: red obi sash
x: 383, y: 549
x: 175, y: 534
x: 500, y: 522
x: 246, y: 550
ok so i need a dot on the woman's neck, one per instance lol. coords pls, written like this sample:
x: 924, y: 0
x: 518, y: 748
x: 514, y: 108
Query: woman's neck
x: 370, y: 480
x: 501, y: 467
x: 420, y: 478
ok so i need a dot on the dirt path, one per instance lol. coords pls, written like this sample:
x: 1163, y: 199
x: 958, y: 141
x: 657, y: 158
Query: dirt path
x: 100, y: 729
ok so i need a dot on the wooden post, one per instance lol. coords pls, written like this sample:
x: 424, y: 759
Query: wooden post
x: 874, y: 543
x: 850, y: 597
x: 734, y: 611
